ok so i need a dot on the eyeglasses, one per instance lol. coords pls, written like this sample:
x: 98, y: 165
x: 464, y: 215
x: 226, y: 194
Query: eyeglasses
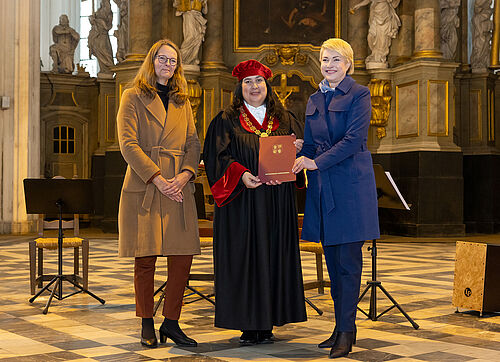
x: 164, y: 60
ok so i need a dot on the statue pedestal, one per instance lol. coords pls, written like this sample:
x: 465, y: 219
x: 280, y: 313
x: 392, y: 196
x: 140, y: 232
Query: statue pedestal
x: 420, y: 152
x: 376, y: 65
x: 218, y: 87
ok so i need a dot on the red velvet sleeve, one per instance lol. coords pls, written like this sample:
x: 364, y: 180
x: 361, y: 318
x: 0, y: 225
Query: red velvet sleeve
x: 223, y: 189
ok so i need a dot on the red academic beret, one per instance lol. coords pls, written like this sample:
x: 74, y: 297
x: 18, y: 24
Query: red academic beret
x: 251, y: 67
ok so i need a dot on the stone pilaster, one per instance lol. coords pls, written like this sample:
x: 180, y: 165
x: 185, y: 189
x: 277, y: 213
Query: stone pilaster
x: 140, y: 13
x: 20, y: 136
x: 427, y: 29
x: 215, y: 79
x: 357, y: 31
x: 405, y: 40
x: 212, y: 47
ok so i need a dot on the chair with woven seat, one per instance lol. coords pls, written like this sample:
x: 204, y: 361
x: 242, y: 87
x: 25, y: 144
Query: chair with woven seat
x: 44, y: 241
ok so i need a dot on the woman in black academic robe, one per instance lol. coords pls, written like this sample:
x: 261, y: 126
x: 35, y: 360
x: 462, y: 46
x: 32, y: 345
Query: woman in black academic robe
x: 258, y: 277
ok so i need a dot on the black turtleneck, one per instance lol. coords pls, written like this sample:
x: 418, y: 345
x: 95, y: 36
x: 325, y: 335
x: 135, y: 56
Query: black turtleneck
x: 163, y: 93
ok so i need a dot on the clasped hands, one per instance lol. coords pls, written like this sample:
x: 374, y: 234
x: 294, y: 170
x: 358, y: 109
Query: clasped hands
x: 172, y: 188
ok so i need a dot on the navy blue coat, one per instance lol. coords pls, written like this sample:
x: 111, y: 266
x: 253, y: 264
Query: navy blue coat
x: 341, y: 201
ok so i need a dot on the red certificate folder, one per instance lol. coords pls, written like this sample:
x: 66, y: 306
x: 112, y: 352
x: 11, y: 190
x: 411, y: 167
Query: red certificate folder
x: 276, y: 158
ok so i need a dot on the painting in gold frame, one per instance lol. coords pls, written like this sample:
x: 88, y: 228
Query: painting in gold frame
x: 261, y: 23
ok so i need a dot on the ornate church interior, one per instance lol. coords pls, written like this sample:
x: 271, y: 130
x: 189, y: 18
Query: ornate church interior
x: 432, y: 68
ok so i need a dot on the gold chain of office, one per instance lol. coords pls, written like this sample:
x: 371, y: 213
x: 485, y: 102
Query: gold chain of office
x: 252, y: 127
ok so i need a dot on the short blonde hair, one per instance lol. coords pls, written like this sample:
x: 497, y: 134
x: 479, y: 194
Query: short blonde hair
x: 342, y: 47
x: 146, y: 77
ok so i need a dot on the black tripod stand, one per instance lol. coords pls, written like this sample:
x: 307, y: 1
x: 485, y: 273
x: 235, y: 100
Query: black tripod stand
x: 372, y: 285
x: 388, y: 197
x: 46, y: 196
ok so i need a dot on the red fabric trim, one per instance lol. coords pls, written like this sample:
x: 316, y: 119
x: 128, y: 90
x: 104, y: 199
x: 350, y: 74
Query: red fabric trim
x: 225, y: 186
x: 256, y: 123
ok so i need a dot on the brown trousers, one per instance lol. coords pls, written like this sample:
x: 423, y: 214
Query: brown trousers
x: 178, y: 274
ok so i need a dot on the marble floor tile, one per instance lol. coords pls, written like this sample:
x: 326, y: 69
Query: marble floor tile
x: 418, y: 275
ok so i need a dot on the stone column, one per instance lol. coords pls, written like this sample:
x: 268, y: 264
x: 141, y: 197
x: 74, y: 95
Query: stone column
x: 405, y: 37
x: 212, y: 47
x: 357, y: 31
x: 427, y: 29
x: 20, y: 120
x: 140, y: 13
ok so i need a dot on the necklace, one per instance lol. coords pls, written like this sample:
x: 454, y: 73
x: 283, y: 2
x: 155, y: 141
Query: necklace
x: 252, y: 127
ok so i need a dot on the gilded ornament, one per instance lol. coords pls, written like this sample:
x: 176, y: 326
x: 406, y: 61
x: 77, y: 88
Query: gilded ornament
x: 252, y: 127
x: 287, y: 55
x: 381, y: 96
x: 194, y: 94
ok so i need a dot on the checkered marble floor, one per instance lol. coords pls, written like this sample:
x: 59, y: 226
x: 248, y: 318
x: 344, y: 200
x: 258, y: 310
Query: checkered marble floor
x: 418, y: 275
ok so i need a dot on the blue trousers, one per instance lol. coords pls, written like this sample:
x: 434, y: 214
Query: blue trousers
x: 344, y: 263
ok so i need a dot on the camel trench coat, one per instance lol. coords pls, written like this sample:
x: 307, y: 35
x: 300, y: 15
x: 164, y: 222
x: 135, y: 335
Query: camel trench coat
x: 153, y: 140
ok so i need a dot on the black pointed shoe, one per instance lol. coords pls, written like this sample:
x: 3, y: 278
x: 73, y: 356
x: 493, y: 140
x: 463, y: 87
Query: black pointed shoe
x: 170, y: 329
x: 265, y: 337
x: 249, y: 338
x: 328, y: 343
x: 148, y: 335
x: 342, y: 345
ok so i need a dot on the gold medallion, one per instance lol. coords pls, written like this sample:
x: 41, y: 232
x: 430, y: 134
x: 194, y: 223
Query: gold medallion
x: 264, y: 135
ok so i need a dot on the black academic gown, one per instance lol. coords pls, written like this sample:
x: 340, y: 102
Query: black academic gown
x: 258, y: 276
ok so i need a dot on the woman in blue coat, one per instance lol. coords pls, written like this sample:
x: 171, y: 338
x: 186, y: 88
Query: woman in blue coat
x: 341, y: 203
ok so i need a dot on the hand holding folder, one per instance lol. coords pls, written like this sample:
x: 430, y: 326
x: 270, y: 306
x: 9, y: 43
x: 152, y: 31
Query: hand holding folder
x: 276, y: 158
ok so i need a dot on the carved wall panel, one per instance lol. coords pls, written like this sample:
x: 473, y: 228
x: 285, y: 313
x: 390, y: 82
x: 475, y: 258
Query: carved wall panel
x: 437, y: 108
x: 407, y: 109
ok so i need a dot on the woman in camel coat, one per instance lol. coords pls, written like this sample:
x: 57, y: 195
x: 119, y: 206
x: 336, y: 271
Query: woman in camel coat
x: 157, y: 214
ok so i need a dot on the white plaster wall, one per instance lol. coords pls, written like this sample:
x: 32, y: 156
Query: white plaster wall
x: 20, y: 123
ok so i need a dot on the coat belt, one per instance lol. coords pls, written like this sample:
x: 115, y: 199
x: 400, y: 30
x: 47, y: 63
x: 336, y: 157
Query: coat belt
x: 151, y: 187
x: 326, y: 185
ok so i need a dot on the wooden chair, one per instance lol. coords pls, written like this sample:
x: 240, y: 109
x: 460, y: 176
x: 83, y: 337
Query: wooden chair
x: 320, y: 282
x: 45, y: 241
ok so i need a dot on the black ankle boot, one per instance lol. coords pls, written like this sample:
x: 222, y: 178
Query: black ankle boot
x: 170, y: 329
x: 328, y: 343
x: 148, y: 335
x: 342, y: 345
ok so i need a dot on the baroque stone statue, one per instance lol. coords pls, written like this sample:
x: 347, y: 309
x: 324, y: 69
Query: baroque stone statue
x: 449, y: 24
x: 99, y: 44
x: 482, y: 25
x: 121, y: 34
x: 194, y: 26
x: 384, y: 24
x: 63, y: 50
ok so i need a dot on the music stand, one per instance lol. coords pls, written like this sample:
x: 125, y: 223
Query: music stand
x: 58, y: 196
x: 389, y: 197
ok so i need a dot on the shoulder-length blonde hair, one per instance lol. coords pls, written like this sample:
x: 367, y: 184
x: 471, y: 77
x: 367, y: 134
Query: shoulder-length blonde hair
x: 146, y: 78
x: 342, y: 47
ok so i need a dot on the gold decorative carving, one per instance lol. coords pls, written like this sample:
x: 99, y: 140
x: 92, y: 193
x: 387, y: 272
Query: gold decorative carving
x: 287, y: 55
x: 194, y: 94
x: 284, y: 91
x: 495, y: 40
x: 381, y: 96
